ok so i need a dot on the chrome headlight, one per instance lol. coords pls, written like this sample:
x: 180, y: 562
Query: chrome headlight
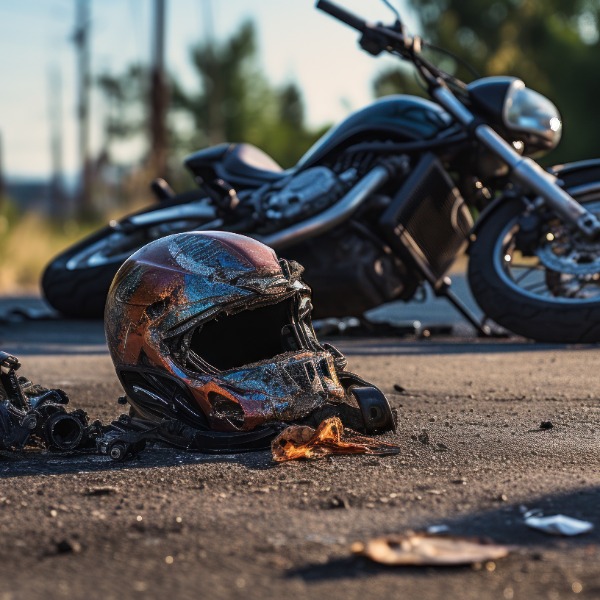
x: 529, y: 112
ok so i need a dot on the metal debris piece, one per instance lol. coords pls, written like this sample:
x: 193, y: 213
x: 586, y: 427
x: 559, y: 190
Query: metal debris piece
x: 546, y: 425
x: 299, y: 441
x: 557, y: 524
x: 31, y: 414
x: 425, y: 549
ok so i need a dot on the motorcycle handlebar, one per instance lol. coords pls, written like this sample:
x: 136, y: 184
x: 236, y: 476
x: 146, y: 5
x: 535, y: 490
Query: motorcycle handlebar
x: 342, y: 14
x: 377, y: 37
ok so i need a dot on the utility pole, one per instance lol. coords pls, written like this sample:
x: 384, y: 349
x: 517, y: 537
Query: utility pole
x: 57, y: 195
x: 82, y: 43
x: 209, y: 24
x: 159, y: 96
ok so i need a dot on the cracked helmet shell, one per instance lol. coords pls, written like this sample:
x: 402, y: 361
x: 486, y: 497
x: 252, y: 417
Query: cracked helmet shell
x: 212, y: 329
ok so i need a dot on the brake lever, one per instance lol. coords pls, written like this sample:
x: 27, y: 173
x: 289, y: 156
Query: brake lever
x: 379, y: 38
x: 373, y: 41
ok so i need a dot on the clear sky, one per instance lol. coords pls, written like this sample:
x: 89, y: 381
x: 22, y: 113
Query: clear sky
x: 297, y: 42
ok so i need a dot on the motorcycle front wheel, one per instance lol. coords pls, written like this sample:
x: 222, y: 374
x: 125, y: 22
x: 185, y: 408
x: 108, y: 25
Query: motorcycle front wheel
x: 77, y: 281
x: 540, y: 281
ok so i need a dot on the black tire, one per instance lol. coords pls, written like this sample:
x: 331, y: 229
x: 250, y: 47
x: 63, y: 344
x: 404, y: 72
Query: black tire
x: 80, y: 291
x: 544, y: 316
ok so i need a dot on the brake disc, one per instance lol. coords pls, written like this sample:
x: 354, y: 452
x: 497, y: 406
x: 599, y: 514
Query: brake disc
x: 568, y: 251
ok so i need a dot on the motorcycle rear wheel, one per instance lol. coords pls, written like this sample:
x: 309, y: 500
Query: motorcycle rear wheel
x: 549, y: 293
x: 76, y: 282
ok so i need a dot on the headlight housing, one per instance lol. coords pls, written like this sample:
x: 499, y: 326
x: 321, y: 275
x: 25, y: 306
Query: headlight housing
x: 527, y: 112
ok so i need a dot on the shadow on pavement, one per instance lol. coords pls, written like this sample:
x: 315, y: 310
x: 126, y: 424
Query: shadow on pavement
x: 371, y: 347
x: 53, y: 336
x: 87, y: 337
x: 503, y: 525
x: 25, y: 464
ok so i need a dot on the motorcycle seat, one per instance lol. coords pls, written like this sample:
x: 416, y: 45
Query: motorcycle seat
x: 237, y: 164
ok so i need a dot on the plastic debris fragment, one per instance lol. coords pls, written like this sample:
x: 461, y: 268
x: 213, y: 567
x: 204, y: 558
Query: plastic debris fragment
x: 558, y: 524
x: 330, y: 437
x: 424, y: 549
x: 438, y: 529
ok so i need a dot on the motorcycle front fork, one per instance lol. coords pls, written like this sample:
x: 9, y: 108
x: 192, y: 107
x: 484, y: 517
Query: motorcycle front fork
x: 524, y: 170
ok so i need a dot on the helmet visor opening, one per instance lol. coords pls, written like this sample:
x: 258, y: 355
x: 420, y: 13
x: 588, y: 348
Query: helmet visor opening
x: 231, y: 341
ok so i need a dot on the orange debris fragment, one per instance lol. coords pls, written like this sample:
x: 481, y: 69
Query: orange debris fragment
x: 299, y: 441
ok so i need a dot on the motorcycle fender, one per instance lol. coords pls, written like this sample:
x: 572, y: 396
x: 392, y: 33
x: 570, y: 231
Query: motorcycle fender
x: 576, y: 173
x: 569, y: 174
x: 484, y: 216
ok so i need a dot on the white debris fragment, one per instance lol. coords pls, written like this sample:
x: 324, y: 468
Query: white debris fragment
x: 558, y: 524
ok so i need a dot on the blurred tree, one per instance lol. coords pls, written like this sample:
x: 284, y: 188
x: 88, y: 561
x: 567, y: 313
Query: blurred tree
x: 553, y: 45
x: 234, y: 94
x: 124, y: 95
x: 236, y: 103
x: 286, y: 137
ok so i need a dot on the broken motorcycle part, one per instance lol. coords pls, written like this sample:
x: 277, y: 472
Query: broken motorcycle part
x: 9, y: 365
x: 211, y: 330
x: 425, y: 549
x: 30, y: 413
x: 301, y: 441
x: 376, y: 411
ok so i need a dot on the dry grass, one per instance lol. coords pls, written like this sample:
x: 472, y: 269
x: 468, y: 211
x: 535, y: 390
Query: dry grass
x: 27, y: 243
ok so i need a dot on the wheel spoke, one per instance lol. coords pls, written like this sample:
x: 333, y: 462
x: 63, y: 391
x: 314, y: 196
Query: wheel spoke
x: 537, y: 286
x: 575, y: 293
x: 528, y: 271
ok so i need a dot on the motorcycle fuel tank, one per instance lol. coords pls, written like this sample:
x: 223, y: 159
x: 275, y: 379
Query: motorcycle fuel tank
x: 398, y: 118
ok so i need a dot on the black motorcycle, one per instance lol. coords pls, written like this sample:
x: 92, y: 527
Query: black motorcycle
x: 385, y: 202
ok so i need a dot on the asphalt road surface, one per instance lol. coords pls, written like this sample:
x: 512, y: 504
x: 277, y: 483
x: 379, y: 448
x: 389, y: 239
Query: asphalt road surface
x: 171, y: 524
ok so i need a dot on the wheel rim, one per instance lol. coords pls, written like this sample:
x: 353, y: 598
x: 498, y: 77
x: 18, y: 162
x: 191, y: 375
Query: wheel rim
x: 119, y: 244
x: 564, y: 268
x: 103, y: 252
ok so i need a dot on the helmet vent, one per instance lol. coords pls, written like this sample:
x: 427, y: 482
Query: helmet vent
x: 250, y: 336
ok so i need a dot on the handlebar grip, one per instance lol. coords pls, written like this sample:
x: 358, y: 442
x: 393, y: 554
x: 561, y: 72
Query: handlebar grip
x: 341, y: 14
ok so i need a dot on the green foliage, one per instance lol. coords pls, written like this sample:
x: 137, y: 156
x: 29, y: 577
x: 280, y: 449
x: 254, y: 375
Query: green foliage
x: 551, y: 44
x: 233, y: 93
x: 236, y: 103
x: 397, y: 81
x: 124, y: 96
x: 27, y: 242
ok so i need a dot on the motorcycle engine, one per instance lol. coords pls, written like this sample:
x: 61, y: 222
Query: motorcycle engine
x: 299, y: 197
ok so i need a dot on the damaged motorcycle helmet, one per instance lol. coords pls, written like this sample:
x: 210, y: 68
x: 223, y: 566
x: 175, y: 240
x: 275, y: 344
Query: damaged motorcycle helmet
x: 212, y: 330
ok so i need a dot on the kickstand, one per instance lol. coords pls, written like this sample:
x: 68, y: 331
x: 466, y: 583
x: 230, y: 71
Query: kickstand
x: 444, y: 291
